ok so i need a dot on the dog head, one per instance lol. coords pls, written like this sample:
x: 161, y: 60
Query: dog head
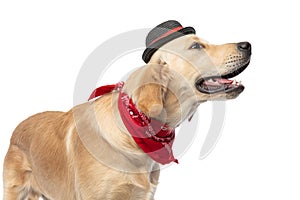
x: 205, y: 66
x: 185, y: 72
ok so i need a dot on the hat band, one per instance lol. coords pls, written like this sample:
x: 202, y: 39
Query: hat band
x: 166, y: 34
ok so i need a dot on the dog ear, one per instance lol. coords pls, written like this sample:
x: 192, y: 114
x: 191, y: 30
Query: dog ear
x: 151, y: 88
x: 150, y: 99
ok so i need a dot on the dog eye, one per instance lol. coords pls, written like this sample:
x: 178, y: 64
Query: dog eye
x: 197, y: 45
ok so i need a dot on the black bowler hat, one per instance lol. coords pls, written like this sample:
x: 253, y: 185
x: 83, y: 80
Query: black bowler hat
x: 162, y: 34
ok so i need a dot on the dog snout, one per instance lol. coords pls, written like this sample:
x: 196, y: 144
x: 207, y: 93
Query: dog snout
x: 244, y: 47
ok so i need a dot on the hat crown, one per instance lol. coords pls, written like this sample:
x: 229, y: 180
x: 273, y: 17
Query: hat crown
x: 161, y: 29
x: 162, y: 34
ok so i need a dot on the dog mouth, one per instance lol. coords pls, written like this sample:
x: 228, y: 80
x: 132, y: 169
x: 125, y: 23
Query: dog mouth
x: 222, y: 83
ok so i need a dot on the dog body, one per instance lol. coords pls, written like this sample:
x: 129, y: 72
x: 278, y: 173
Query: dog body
x: 87, y: 153
x: 47, y: 157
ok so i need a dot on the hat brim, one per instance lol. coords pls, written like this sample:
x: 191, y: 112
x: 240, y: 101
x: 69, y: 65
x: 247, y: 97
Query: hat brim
x: 150, y: 50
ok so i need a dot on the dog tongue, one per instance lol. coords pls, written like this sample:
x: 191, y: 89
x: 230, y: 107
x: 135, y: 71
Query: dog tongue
x: 217, y: 81
x: 223, y: 81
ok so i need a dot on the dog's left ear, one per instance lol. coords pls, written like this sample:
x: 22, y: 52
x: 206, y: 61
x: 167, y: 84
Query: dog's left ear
x: 150, y: 86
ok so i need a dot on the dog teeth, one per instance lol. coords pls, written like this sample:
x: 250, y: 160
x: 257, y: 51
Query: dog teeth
x: 236, y: 83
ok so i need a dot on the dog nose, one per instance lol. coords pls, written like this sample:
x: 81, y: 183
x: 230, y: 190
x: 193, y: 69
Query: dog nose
x: 244, y: 47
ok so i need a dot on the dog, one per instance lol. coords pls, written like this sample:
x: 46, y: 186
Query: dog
x: 89, y: 152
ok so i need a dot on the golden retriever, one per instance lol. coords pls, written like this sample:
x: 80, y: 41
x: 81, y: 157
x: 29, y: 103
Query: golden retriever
x: 49, y: 158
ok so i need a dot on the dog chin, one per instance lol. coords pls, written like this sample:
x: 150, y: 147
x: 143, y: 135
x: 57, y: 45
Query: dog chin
x: 232, y: 95
x: 223, y: 96
x: 235, y: 93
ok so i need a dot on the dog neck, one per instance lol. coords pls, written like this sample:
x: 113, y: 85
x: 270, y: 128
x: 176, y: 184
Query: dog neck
x: 152, y: 136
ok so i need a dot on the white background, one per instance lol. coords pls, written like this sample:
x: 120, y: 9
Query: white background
x: 43, y: 45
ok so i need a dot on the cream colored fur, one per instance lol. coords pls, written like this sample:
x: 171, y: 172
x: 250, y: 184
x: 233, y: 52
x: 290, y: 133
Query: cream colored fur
x: 87, y: 153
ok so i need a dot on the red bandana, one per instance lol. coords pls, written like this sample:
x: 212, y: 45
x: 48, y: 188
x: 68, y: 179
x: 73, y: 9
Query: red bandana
x: 152, y: 136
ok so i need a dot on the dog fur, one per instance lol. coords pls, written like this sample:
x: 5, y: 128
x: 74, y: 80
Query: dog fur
x: 87, y: 153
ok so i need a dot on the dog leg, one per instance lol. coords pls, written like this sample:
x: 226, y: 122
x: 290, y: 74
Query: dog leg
x: 33, y: 195
x: 16, y: 176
